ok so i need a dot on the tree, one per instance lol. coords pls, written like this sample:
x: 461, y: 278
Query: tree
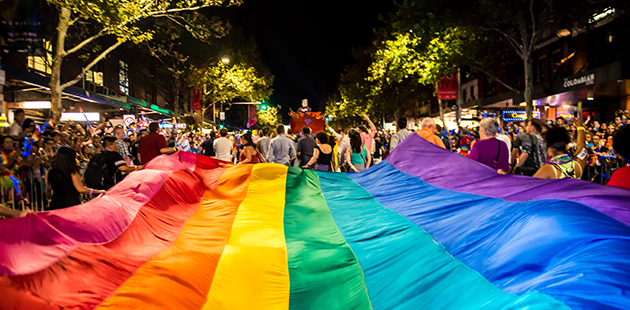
x: 384, y: 81
x: 269, y: 117
x: 222, y: 82
x: 119, y: 19
x: 520, y: 24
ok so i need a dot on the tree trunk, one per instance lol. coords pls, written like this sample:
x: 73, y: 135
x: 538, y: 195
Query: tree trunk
x: 203, y: 112
x: 458, y: 113
x: 55, y: 77
x: 528, y: 94
x: 176, y: 99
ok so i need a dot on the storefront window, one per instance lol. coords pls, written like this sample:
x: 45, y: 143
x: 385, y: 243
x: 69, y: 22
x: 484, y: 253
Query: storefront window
x: 123, y: 77
x: 43, y: 63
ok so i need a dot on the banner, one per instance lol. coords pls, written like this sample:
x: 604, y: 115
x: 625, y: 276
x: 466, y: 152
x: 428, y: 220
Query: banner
x: 252, y: 115
x: 20, y: 28
x: 447, y: 87
x: 196, y: 99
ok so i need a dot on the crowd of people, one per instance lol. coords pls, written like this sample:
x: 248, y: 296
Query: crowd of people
x: 64, y: 165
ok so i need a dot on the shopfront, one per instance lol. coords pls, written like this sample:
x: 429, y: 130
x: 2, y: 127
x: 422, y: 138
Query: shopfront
x: 597, y: 93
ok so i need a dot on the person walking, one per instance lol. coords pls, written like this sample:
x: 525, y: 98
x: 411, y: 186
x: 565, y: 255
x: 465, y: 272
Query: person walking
x: 153, y: 145
x: 488, y: 150
x: 305, y: 146
x: 322, y: 154
x: 281, y: 149
x: 532, y: 147
x: 428, y: 132
x: 249, y: 155
x: 400, y: 135
x: 223, y: 146
x: 357, y: 156
x: 64, y: 183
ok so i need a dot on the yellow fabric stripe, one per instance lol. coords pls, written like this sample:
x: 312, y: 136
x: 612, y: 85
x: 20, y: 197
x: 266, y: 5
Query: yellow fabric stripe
x: 253, y: 272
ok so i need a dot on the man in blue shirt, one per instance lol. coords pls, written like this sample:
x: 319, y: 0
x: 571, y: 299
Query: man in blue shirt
x: 281, y: 148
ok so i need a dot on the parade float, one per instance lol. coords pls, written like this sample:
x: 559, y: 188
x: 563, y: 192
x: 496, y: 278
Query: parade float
x: 305, y: 117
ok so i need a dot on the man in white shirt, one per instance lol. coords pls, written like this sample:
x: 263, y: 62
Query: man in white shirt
x: 15, y: 130
x: 223, y: 146
x: 400, y: 135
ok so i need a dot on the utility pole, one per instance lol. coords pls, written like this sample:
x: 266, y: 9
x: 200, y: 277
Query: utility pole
x: 458, y: 113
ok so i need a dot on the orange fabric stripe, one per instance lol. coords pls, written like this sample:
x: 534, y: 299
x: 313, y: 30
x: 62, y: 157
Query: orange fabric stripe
x: 181, y: 276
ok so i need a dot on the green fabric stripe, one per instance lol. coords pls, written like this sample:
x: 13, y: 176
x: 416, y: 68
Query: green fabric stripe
x: 324, y: 272
x: 405, y: 269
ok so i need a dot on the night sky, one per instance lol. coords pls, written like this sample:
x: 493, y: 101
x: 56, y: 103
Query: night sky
x: 307, y: 44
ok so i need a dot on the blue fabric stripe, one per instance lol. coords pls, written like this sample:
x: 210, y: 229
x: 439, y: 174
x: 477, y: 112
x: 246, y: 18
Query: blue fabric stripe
x: 404, y: 267
x: 561, y: 248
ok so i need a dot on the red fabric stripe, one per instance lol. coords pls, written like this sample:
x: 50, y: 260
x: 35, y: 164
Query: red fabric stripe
x: 89, y: 274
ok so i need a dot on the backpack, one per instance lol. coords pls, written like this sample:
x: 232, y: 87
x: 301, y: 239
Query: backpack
x: 96, y: 173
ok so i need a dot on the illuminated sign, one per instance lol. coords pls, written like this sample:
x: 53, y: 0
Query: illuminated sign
x: 30, y: 105
x: 80, y: 117
x: 518, y: 116
x: 170, y: 126
x: 588, y: 79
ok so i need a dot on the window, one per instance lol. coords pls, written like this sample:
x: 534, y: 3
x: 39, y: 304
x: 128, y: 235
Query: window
x: 43, y: 63
x: 95, y: 77
x: 123, y: 77
x: 472, y: 93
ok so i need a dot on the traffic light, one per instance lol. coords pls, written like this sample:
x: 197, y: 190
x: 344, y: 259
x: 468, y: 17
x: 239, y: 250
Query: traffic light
x: 263, y: 107
x: 221, y: 126
x: 326, y: 118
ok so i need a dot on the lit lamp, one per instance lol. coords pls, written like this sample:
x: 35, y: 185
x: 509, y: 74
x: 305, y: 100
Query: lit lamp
x: 225, y: 60
x: 563, y: 33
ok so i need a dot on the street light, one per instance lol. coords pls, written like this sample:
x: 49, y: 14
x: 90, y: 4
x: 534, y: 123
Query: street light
x: 225, y: 60
x: 563, y: 33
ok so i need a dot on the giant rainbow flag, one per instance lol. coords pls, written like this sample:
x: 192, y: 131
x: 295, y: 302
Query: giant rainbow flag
x: 425, y: 229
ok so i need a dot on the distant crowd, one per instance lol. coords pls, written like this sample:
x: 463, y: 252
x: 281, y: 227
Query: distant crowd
x: 64, y: 165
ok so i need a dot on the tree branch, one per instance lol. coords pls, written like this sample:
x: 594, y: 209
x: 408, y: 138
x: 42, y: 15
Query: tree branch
x: 517, y: 46
x: 84, y: 43
x: 92, y: 64
x: 492, y: 75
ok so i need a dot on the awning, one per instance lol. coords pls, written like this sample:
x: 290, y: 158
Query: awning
x: 152, y: 107
x: 41, y: 81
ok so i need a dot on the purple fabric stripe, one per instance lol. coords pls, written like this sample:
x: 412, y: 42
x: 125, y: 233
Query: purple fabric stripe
x: 36, y: 241
x: 452, y: 171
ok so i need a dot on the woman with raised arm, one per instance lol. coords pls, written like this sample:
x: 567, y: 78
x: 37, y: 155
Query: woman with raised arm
x: 561, y: 165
